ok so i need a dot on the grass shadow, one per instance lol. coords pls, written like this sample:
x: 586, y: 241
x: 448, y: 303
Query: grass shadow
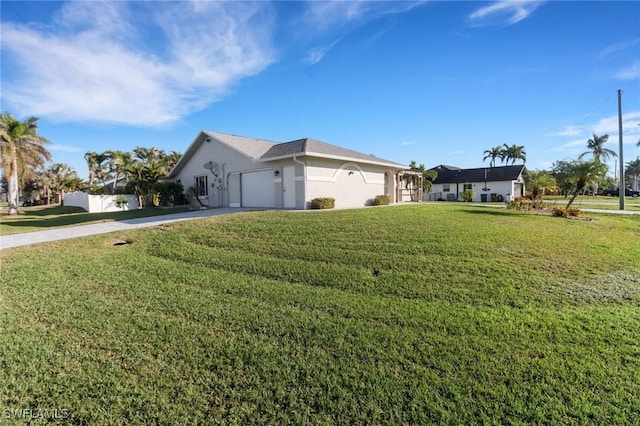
x: 59, y: 216
x: 51, y: 210
x: 491, y: 211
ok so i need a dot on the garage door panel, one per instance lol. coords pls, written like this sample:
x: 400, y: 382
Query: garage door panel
x: 258, y: 189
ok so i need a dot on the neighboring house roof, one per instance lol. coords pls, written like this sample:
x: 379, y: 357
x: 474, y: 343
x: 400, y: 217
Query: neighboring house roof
x: 264, y: 150
x: 448, y: 174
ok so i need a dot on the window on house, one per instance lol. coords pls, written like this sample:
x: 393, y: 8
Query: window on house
x: 467, y: 186
x: 445, y: 188
x: 201, y: 185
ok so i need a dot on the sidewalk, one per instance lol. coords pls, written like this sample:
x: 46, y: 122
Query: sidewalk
x: 68, y: 232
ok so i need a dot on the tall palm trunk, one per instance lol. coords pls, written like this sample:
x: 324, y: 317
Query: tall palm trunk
x: 115, y: 182
x: 579, y: 187
x: 12, y: 187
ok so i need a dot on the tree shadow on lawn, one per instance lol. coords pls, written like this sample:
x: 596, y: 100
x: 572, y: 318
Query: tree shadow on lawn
x: 491, y: 211
x: 51, y: 210
x: 52, y: 217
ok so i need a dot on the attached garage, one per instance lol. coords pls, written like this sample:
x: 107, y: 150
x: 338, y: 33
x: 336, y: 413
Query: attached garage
x: 257, y: 189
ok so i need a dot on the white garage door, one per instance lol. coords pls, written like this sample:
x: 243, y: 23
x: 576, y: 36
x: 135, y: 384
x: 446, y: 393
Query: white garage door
x: 257, y: 189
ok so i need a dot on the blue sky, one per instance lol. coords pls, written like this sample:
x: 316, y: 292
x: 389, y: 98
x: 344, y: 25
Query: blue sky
x: 434, y: 82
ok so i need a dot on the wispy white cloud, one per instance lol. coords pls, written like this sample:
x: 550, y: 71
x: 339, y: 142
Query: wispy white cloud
x: 102, y: 61
x: 63, y: 148
x: 632, y: 72
x: 332, y: 19
x: 607, y: 125
x: 404, y: 143
x: 503, y: 13
x: 315, y: 54
x: 619, y: 47
x: 572, y: 130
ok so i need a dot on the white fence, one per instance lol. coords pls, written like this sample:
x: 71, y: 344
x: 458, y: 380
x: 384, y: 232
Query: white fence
x: 99, y: 203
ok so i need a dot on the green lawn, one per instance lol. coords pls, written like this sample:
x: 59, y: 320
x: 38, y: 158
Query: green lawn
x: 418, y: 314
x: 597, y: 202
x: 37, y: 218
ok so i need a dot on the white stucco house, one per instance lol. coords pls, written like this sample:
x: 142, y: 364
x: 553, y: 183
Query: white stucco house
x: 504, y: 183
x: 237, y: 171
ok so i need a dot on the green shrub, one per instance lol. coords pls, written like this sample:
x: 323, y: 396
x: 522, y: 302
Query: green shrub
x: 565, y: 212
x: 323, y: 203
x: 121, y: 201
x: 381, y: 200
x: 468, y: 194
x: 97, y: 190
x: 168, y: 193
x: 519, y: 203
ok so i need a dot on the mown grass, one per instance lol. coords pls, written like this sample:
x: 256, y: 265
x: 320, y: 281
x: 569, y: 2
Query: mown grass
x: 597, y: 202
x: 439, y: 313
x: 37, y: 218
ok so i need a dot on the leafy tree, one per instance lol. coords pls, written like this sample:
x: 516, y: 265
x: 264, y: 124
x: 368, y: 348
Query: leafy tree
x: 118, y: 162
x: 98, y: 166
x: 597, y: 149
x: 493, y: 154
x: 169, y: 192
x: 538, y: 181
x: 584, y: 173
x: 61, y: 177
x: 561, y: 172
x: 427, y: 176
x: 513, y: 153
x: 21, y: 149
x: 633, y: 171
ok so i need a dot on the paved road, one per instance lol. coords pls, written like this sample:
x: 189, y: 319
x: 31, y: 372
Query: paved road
x: 64, y: 233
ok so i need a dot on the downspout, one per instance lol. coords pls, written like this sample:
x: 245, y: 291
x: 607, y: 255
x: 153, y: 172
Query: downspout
x: 223, y: 188
x: 304, y: 175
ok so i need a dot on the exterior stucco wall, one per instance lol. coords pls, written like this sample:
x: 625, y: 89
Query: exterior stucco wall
x: 220, y: 189
x: 503, y: 188
x: 351, y: 184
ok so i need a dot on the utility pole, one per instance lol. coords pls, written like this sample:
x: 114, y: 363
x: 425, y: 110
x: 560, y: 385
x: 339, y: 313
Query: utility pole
x: 621, y: 191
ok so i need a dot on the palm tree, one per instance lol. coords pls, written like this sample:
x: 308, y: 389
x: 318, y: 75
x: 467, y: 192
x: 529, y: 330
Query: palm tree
x: 427, y: 181
x: 597, y: 149
x: 493, y: 154
x: 97, y: 166
x: 538, y: 181
x: 119, y: 161
x: 585, y: 173
x: 513, y: 153
x: 633, y: 170
x: 21, y: 148
x: 61, y: 177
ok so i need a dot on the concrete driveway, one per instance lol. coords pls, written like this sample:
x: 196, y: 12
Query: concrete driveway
x: 68, y: 232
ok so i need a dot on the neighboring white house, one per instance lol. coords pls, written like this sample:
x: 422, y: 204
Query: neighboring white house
x: 503, y: 183
x: 236, y: 171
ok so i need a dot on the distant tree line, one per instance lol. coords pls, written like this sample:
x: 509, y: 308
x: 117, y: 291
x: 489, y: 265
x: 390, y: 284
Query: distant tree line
x: 140, y: 172
x: 28, y: 175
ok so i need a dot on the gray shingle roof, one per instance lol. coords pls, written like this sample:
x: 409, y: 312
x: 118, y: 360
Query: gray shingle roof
x: 315, y: 148
x: 448, y: 174
x: 252, y: 147
x: 264, y: 150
